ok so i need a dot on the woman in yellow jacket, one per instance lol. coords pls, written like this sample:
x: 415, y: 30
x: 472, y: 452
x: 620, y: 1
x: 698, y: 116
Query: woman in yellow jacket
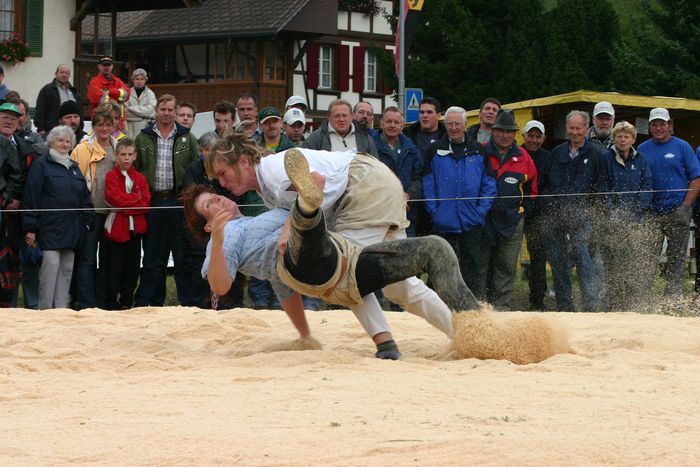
x: 95, y: 158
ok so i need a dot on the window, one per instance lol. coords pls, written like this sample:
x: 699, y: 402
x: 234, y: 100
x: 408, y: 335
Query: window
x: 325, y: 67
x: 96, y: 34
x: 7, y: 18
x: 370, y: 72
x: 26, y: 18
x: 275, y: 61
x: 244, y: 61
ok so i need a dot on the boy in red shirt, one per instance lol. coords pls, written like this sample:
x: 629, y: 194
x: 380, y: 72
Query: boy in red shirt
x: 126, y: 189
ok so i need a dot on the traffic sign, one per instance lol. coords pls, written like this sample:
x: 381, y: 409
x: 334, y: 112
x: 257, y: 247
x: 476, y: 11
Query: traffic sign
x: 413, y: 98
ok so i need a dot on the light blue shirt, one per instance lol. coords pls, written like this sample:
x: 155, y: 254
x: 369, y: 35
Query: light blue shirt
x: 250, y: 246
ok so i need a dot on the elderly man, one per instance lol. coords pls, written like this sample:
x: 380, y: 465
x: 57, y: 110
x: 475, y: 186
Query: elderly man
x: 15, y: 157
x: 533, y: 138
x: 224, y: 114
x: 459, y: 188
x: 603, y: 121
x: 51, y: 97
x: 185, y: 114
x: 399, y: 153
x: 363, y: 112
x: 339, y: 133
x: 247, y: 108
x: 294, y: 125
x: 487, y: 116
x: 107, y: 87
x: 675, y: 173
x: 576, y: 168
x: 516, y: 180
x: 164, y: 149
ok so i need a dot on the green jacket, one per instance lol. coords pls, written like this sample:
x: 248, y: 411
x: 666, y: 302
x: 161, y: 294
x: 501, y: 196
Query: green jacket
x: 185, y: 151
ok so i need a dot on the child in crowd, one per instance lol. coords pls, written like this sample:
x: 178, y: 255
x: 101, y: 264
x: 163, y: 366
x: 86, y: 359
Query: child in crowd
x: 126, y: 189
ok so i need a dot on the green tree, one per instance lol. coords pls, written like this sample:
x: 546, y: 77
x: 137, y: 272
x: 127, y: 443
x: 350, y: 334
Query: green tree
x: 579, y: 37
x: 661, y: 58
x: 464, y: 51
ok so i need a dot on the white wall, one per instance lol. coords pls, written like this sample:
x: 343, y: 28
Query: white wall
x: 29, y: 76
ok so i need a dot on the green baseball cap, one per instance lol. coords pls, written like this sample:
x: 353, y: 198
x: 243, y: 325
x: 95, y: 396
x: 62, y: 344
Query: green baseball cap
x: 268, y: 113
x: 10, y: 107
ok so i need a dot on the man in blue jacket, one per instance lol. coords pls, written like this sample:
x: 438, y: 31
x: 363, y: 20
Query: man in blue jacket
x: 399, y: 153
x: 459, y: 188
x: 576, y: 168
x: 675, y: 173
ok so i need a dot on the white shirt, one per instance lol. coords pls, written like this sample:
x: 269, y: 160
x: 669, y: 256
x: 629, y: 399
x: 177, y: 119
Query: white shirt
x: 342, y: 143
x: 274, y: 183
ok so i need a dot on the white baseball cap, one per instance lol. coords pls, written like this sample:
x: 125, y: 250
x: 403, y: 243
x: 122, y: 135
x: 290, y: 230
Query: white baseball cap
x: 294, y: 115
x: 603, y: 108
x: 659, y: 113
x: 534, y: 124
x: 295, y: 100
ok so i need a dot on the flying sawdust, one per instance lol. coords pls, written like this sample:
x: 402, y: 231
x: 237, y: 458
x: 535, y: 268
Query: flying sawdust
x: 521, y: 340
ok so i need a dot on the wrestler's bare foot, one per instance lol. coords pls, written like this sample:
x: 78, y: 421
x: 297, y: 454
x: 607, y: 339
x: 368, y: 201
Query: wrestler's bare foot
x: 297, y: 168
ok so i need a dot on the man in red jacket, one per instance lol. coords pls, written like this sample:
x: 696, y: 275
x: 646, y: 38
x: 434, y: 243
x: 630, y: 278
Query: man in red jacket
x: 516, y: 183
x: 105, y: 87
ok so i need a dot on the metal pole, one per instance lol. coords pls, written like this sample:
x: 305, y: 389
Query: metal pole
x: 401, y: 95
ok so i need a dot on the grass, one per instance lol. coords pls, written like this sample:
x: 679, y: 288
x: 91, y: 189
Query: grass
x: 521, y: 295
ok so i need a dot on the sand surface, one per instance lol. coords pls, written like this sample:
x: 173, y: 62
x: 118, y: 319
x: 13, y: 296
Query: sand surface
x: 181, y: 386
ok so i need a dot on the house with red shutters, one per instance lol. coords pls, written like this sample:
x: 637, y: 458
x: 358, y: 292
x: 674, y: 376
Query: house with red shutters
x: 217, y: 49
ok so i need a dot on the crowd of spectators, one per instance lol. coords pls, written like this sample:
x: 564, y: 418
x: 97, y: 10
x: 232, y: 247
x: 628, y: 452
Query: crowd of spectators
x: 596, y: 202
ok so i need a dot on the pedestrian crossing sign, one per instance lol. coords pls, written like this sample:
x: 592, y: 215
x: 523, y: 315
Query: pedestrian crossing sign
x: 413, y: 98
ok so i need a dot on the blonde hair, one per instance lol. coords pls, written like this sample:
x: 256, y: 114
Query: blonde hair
x: 624, y: 127
x: 229, y: 149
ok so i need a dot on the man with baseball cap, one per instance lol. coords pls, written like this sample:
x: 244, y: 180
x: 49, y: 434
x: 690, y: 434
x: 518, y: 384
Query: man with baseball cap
x: 294, y: 125
x: 533, y: 138
x: 675, y: 172
x: 12, y: 175
x: 272, y: 137
x: 107, y: 87
x: 296, y: 102
x: 603, y: 120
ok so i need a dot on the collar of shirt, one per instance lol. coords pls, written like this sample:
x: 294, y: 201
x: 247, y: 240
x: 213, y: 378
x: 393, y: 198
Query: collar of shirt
x: 333, y: 130
x: 170, y: 135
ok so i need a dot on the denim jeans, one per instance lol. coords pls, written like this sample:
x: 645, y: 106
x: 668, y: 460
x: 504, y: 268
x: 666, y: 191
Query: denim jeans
x: 567, y: 245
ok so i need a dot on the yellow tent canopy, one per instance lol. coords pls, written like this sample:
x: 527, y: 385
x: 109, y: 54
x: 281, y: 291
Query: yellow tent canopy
x: 635, y: 109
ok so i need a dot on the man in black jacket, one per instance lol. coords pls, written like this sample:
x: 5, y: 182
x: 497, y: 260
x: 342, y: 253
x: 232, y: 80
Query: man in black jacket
x: 533, y: 138
x: 487, y: 117
x: 50, y: 99
x: 12, y: 177
x: 575, y: 169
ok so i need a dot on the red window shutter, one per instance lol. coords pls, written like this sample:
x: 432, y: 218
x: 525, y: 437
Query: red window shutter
x: 358, y: 69
x: 387, y: 84
x: 344, y: 67
x: 312, y: 66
